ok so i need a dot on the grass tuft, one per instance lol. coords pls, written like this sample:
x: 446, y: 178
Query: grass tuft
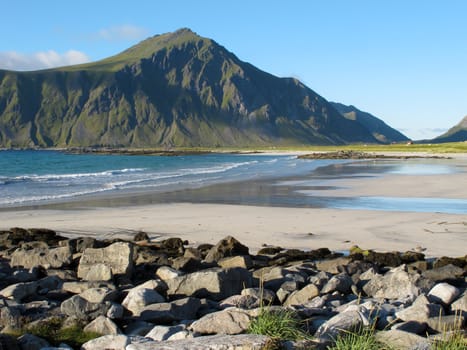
x: 278, y: 324
x: 360, y: 340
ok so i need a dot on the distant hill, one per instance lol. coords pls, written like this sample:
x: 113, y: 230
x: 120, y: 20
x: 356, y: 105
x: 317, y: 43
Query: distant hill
x: 172, y: 90
x: 379, y: 129
x: 457, y: 133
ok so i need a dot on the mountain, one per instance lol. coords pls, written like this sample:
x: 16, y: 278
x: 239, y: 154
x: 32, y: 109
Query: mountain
x: 171, y: 90
x: 457, y: 133
x: 379, y: 129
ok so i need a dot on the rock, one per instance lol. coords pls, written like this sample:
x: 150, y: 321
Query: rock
x: 138, y: 298
x: 243, y: 261
x: 215, y: 283
x: 333, y: 266
x: 410, y: 257
x: 102, y: 325
x: 229, y: 321
x: 421, y: 310
x: 402, y: 340
x: 172, y: 246
x: 339, y: 283
x: 8, y: 342
x: 270, y: 250
x: 226, y: 247
x: 186, y: 264
x: 81, y: 309
x: 460, y: 304
x: 55, y: 258
x: 115, y: 311
x: 340, y: 323
x: 113, y: 342
x: 241, y: 301
x: 302, y: 296
x: 395, y: 284
x: 99, y: 295
x: 446, y: 323
x: 167, y: 273
x: 181, y: 309
x: 163, y: 333
x: 19, y: 291
x: 99, y: 272
x: 411, y: 327
x: 266, y: 296
x: 82, y: 286
x: 139, y: 328
x: 214, y: 342
x: 445, y: 273
x: 443, y: 293
x: 140, y: 236
x: 384, y: 259
x: 117, y: 256
x: 31, y: 342
x: 10, y: 316
x: 445, y: 260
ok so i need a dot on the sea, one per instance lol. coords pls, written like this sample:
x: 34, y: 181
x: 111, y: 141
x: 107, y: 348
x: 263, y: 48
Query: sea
x: 32, y: 178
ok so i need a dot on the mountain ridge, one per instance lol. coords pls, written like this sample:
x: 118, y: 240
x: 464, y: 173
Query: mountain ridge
x: 171, y: 90
x: 458, y: 133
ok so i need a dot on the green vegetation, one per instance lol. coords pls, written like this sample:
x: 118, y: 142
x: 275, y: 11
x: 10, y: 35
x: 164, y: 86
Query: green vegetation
x: 455, y: 342
x: 278, y: 324
x: 53, y: 331
x: 360, y: 340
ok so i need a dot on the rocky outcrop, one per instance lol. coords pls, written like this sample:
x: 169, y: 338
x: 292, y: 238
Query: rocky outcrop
x: 152, y: 304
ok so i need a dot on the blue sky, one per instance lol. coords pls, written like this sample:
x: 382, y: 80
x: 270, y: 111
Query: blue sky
x: 404, y: 61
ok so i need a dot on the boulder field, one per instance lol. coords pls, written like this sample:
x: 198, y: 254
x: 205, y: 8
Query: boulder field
x: 168, y: 294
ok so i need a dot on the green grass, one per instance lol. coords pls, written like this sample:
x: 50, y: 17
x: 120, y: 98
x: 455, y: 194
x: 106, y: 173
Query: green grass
x: 278, y: 324
x: 456, y: 342
x: 52, y: 331
x: 361, y: 340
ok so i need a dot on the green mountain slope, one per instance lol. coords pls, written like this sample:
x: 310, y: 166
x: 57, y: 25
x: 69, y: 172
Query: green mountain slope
x: 379, y: 129
x: 457, y: 133
x: 175, y: 89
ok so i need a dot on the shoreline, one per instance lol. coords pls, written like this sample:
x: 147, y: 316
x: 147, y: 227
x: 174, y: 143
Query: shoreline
x: 436, y: 234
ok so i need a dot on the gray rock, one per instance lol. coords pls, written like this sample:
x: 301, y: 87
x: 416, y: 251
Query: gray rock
x: 178, y: 310
x: 266, y: 296
x: 302, y: 296
x: 10, y: 316
x: 243, y: 261
x: 460, y: 304
x: 214, y: 342
x: 443, y: 293
x: 444, y: 273
x: 32, y: 342
x: 114, y: 342
x: 395, y: 284
x: 138, y: 298
x: 421, y: 310
x: 402, y: 340
x: 117, y: 256
x: 102, y: 325
x: 241, y: 302
x: 19, y: 291
x: 82, y: 309
x: 446, y: 323
x: 48, y: 258
x: 82, y: 286
x: 228, y: 321
x: 333, y: 265
x: 138, y: 328
x: 115, y: 311
x: 99, y: 272
x: 226, y: 247
x: 163, y: 333
x: 339, y: 283
x: 215, y: 284
x: 342, y: 322
x: 99, y: 295
x: 166, y: 273
x: 411, y: 327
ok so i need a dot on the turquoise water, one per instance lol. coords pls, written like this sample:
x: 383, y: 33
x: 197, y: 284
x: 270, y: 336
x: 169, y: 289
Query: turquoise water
x: 36, y: 177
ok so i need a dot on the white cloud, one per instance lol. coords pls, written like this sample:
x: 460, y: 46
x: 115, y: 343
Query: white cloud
x: 13, y: 60
x: 122, y: 32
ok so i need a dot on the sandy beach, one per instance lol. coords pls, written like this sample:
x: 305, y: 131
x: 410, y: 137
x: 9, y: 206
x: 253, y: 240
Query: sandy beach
x: 437, y: 234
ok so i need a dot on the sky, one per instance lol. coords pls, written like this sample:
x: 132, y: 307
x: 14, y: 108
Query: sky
x: 404, y: 61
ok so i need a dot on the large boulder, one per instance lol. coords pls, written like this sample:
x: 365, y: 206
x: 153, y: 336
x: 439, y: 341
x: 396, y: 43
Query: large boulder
x: 302, y: 296
x: 397, y: 283
x: 228, y: 321
x: 347, y: 321
x: 117, y: 256
x: 214, y: 342
x: 443, y: 293
x: 178, y: 310
x: 420, y: 310
x: 138, y: 298
x: 215, y: 283
x: 102, y: 325
x: 82, y: 309
x: 397, y: 339
x: 162, y: 333
x: 99, y: 295
x: 114, y: 342
x: 55, y: 258
x: 226, y: 247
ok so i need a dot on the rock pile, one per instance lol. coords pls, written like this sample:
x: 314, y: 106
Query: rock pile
x: 144, y: 295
